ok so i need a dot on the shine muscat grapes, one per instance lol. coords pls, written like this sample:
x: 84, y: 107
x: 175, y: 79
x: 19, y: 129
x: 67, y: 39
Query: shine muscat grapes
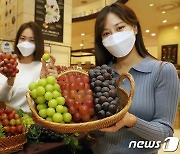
x: 49, y: 100
x: 8, y: 64
x: 103, y: 85
x: 27, y: 120
x: 78, y: 95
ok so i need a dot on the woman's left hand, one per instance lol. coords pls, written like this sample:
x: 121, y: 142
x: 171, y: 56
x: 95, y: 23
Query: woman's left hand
x: 49, y: 69
x: 128, y: 120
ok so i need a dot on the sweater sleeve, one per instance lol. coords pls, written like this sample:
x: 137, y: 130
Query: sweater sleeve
x: 166, y: 98
x: 5, y: 89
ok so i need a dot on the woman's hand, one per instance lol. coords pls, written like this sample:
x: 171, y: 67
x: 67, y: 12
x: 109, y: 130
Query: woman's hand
x: 128, y: 120
x: 49, y: 69
x: 10, y: 80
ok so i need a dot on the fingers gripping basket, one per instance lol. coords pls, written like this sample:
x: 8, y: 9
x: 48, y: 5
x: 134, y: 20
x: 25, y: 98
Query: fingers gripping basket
x: 12, y: 144
x: 125, y: 99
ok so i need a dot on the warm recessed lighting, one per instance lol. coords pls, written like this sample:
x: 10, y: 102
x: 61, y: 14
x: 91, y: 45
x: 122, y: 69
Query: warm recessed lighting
x: 153, y: 34
x: 151, y: 4
x: 176, y: 27
x: 164, y: 21
x: 163, y: 12
x: 82, y: 34
x: 81, y: 45
x: 147, y: 31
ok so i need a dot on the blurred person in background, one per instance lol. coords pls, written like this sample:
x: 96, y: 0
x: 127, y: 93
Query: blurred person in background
x: 29, y: 48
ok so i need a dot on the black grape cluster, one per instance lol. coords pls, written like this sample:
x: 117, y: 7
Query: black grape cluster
x: 103, y: 85
x: 42, y: 134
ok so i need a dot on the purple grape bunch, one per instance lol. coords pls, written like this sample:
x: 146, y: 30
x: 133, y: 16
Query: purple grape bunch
x: 103, y: 85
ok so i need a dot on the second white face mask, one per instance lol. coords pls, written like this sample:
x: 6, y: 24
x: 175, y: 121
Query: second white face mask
x: 120, y: 44
x: 26, y: 48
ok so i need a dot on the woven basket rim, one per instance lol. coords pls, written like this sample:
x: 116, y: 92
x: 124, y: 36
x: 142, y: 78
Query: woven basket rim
x: 81, y: 123
x: 73, y: 70
x: 79, y: 127
x: 16, y: 146
x: 9, y: 137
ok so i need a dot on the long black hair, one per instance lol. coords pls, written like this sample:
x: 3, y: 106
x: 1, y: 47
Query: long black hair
x: 128, y: 16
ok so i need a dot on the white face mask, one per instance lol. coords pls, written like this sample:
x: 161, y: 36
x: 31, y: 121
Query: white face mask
x: 26, y: 48
x: 120, y: 44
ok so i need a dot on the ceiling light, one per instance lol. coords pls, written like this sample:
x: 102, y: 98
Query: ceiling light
x: 147, y: 31
x: 168, y: 6
x: 81, y: 45
x: 151, y: 4
x: 164, y: 21
x: 153, y: 34
x: 163, y: 12
x: 82, y: 34
x: 176, y: 27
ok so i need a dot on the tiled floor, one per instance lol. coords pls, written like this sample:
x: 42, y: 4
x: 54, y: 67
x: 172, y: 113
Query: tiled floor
x: 176, y: 134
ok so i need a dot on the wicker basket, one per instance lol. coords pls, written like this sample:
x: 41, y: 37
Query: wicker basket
x: 12, y: 144
x: 125, y: 99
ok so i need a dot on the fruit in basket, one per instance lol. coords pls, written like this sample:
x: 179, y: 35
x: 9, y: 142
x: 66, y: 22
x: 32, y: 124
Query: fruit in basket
x: 43, y: 113
x: 41, y: 106
x: 9, y: 64
x: 78, y: 95
x: 67, y: 117
x: 48, y: 98
x: 26, y: 120
x: 57, y: 117
x: 33, y: 85
x: 50, y: 112
x: 51, y: 80
x: 103, y: 85
x: 60, y: 100
x: 11, y: 122
x: 42, y: 82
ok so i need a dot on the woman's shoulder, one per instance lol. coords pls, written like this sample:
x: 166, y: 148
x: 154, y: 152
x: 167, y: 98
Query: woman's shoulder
x: 168, y: 67
x: 154, y: 66
x: 160, y: 64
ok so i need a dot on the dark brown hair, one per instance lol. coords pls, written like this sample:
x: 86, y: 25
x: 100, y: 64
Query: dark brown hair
x: 128, y: 16
x: 38, y: 38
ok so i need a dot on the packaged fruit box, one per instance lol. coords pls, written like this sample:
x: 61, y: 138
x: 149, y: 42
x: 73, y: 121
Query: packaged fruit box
x: 79, y: 101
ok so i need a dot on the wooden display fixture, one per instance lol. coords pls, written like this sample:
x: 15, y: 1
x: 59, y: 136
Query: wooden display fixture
x: 169, y: 53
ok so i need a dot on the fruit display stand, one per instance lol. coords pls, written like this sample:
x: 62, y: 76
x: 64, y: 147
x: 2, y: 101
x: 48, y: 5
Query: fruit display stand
x: 12, y: 144
x: 94, y: 123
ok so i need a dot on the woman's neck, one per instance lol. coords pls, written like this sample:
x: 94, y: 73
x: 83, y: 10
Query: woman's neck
x: 124, y: 64
x: 26, y: 60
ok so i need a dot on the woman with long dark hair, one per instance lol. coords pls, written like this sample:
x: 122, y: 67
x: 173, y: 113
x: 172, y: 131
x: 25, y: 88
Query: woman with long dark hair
x: 119, y: 43
x: 29, y: 47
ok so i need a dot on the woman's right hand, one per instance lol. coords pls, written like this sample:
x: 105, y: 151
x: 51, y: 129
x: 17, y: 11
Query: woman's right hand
x: 10, y: 80
x: 49, y: 68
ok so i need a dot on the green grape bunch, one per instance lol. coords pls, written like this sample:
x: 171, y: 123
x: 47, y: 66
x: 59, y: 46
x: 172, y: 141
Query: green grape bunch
x: 27, y: 121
